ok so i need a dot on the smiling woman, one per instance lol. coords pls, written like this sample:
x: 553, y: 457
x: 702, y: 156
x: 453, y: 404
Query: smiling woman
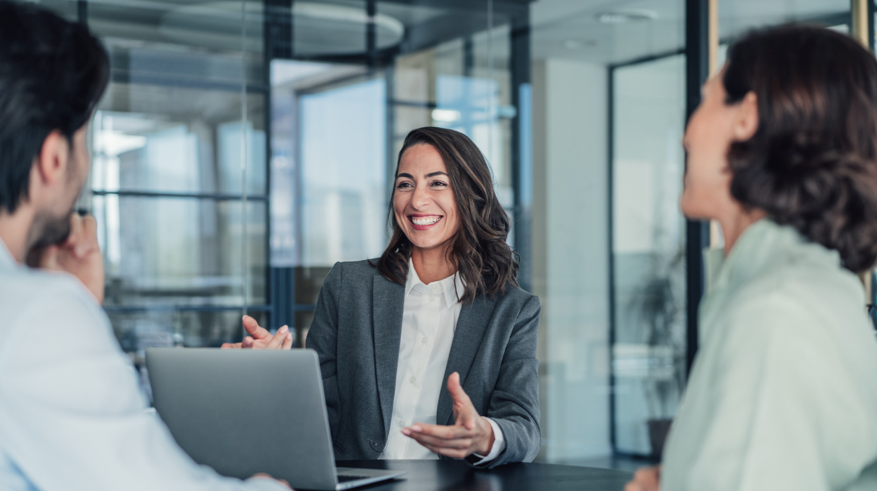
x: 440, y: 172
x: 440, y: 308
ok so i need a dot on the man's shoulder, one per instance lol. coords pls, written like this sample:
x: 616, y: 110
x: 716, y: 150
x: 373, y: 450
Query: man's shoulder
x: 23, y: 286
x: 31, y: 296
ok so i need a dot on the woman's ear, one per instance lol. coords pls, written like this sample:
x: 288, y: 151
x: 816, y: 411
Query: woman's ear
x: 746, y: 123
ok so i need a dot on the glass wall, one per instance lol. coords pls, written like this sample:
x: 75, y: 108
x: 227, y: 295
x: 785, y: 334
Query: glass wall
x: 648, y: 251
x: 179, y: 181
x: 607, y: 159
x: 244, y: 147
x: 342, y: 104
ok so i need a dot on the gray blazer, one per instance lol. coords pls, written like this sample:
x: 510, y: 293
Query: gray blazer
x: 357, y: 329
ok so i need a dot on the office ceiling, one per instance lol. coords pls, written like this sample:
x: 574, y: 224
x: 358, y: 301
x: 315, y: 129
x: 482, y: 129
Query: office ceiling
x: 569, y: 29
x: 572, y: 29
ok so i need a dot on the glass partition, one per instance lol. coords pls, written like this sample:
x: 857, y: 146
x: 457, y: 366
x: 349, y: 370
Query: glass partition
x: 244, y: 147
x: 179, y: 178
x: 345, y: 93
x: 648, y: 251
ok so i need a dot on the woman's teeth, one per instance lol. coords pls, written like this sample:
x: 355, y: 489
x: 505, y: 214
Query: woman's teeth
x: 425, y: 220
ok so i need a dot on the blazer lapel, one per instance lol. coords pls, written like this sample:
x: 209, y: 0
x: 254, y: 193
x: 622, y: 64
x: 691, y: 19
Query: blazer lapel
x: 387, y: 303
x: 471, y: 327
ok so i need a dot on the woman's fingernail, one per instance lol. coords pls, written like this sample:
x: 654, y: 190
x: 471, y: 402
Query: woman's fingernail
x: 417, y: 428
x: 284, y: 329
x: 406, y: 432
x: 289, y: 337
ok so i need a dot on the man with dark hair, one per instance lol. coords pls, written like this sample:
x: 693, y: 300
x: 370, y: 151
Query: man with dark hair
x: 71, y: 412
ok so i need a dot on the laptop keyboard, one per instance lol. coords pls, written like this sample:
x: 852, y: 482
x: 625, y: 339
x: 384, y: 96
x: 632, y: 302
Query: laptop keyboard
x: 345, y: 478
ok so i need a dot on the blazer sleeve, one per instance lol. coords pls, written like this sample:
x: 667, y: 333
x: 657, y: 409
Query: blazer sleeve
x: 514, y: 403
x: 322, y: 338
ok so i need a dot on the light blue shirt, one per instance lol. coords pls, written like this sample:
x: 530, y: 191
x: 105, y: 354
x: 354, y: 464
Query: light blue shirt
x: 71, y: 410
x: 783, y: 392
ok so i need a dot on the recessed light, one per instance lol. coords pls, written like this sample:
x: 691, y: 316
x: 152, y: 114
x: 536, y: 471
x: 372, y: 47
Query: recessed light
x: 629, y: 15
x: 446, y: 115
x: 573, y: 44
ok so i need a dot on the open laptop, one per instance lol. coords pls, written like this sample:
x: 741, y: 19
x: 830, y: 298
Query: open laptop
x: 242, y: 412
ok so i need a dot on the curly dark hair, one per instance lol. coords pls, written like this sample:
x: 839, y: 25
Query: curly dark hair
x: 52, y: 75
x: 483, y: 258
x: 812, y: 162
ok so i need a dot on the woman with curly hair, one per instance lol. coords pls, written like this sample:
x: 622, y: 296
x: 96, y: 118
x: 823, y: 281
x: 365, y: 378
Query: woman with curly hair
x: 782, y: 152
x: 440, y: 308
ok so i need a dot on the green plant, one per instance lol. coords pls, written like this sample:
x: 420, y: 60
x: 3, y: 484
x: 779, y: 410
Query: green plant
x: 659, y: 304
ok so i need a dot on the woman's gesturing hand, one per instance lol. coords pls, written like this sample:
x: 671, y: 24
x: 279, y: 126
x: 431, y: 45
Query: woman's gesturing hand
x: 260, y: 338
x: 645, y: 479
x: 470, y: 434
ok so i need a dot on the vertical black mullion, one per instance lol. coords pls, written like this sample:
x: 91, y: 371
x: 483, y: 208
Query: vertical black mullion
x: 268, y: 34
x: 468, y: 72
x: 871, y: 12
x: 371, y: 42
x: 610, y: 131
x: 390, y: 127
x: 277, y: 39
x: 696, y: 232
x: 521, y: 182
x: 82, y: 12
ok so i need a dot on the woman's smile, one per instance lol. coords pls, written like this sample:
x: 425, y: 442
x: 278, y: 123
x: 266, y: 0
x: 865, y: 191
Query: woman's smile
x: 424, y: 222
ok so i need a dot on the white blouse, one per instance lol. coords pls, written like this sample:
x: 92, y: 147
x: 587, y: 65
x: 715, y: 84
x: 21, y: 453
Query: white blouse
x: 429, y: 320
x: 783, y: 392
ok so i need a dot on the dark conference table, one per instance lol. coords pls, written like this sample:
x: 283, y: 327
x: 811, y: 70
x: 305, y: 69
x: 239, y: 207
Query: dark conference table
x: 451, y: 475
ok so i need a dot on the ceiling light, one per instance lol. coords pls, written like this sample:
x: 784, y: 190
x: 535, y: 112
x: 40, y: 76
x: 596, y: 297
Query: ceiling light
x: 629, y: 15
x: 574, y: 44
x: 446, y: 115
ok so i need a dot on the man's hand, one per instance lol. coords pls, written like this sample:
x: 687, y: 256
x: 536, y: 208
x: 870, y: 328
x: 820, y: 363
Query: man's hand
x: 260, y: 338
x: 471, y: 433
x: 79, y: 255
x: 645, y: 479
x: 266, y: 476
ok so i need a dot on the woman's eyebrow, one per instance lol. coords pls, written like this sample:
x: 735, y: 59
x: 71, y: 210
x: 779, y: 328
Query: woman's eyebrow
x: 431, y: 174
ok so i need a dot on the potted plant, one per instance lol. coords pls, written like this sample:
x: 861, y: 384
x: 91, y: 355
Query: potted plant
x: 659, y: 304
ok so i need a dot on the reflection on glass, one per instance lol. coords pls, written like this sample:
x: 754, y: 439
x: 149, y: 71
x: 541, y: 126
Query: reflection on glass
x: 337, y: 124
x: 648, y: 251
x: 179, y: 251
x: 152, y: 152
x: 177, y: 140
x: 343, y: 158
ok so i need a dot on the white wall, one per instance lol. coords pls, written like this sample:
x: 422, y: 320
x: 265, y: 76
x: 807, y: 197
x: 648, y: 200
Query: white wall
x: 570, y: 256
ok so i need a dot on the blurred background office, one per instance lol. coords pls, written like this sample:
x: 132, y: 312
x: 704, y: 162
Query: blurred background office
x: 243, y: 147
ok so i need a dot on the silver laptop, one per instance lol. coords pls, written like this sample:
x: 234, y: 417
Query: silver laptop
x: 242, y: 412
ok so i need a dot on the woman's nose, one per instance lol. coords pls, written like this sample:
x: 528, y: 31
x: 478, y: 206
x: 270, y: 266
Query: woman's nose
x: 420, y: 198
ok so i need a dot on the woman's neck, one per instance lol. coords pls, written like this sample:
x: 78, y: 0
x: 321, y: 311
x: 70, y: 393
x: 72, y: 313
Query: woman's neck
x: 736, y: 223
x: 432, y: 264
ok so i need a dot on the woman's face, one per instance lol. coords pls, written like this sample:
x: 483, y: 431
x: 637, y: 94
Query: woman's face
x: 423, y: 201
x: 710, y: 132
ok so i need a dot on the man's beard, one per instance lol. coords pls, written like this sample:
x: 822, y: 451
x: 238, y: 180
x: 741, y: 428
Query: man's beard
x: 49, y: 230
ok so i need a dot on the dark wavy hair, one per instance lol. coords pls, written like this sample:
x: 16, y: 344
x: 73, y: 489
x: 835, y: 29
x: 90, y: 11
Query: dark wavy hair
x: 812, y: 162
x: 485, y: 262
x: 52, y: 75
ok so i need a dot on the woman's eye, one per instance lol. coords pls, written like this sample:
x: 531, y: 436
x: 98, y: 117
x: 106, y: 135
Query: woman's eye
x: 403, y: 185
x: 439, y: 184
